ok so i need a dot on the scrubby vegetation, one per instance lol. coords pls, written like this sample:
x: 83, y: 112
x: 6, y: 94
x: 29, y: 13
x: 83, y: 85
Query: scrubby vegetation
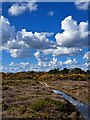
x: 74, y: 74
x: 29, y: 99
x: 53, y: 109
x: 24, y: 97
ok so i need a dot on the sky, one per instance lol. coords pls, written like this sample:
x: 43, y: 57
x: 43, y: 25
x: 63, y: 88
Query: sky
x: 39, y: 36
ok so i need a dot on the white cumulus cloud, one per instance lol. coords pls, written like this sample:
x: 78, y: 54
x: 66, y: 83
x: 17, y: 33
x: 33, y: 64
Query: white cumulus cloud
x: 37, y: 55
x: 54, y: 62
x: 8, y: 31
x: 22, y: 43
x: 35, y: 40
x: 11, y: 64
x: 25, y: 43
x: 19, y: 8
x: 70, y: 61
x: 32, y: 6
x: 21, y: 53
x: 87, y: 55
x: 62, y: 51
x: 87, y: 64
x: 82, y: 4
x: 74, y: 35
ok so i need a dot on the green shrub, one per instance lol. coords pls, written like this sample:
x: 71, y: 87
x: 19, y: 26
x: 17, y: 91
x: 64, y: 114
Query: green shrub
x: 39, y: 105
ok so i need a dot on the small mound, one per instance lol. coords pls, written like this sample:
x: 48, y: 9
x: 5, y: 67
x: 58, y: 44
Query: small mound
x: 49, y: 109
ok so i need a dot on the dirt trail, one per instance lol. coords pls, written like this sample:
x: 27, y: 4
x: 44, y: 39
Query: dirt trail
x: 45, y: 84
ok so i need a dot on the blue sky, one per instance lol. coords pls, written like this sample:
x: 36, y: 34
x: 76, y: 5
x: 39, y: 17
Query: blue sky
x: 44, y: 36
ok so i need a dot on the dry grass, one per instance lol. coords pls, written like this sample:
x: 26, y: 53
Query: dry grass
x: 30, y: 99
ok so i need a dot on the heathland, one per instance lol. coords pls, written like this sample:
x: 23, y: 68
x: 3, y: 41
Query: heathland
x: 29, y: 94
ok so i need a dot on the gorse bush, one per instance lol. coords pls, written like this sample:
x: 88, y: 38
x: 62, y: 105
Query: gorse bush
x: 56, y: 74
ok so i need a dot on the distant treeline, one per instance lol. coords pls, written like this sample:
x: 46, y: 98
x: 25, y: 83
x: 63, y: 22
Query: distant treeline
x: 55, y: 74
x: 70, y: 71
